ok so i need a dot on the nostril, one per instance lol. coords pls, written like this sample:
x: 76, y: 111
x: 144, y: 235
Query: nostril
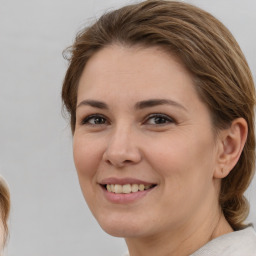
x: 121, y: 157
x: 118, y: 163
x: 108, y: 161
x: 127, y: 161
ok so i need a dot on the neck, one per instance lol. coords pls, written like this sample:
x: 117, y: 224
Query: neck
x: 182, y: 241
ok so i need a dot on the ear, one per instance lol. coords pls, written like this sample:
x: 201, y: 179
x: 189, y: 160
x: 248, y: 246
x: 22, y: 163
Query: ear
x: 231, y: 144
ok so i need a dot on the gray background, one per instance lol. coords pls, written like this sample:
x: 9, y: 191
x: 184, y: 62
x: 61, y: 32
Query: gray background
x: 49, y: 216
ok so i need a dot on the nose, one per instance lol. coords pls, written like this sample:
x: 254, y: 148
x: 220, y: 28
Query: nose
x: 122, y: 148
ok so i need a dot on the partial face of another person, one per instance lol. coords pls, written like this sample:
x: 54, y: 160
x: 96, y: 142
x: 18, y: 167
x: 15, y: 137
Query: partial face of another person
x: 144, y: 146
x: 2, y: 235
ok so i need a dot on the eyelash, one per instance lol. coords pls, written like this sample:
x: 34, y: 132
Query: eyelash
x: 86, y: 120
x: 165, y: 118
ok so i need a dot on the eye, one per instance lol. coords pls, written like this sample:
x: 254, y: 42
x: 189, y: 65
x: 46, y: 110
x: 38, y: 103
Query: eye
x: 159, y: 119
x: 94, y: 120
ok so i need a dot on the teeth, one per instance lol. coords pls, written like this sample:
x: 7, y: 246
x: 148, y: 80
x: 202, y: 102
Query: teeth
x: 127, y: 188
x: 141, y: 187
x: 135, y: 188
x: 118, y: 189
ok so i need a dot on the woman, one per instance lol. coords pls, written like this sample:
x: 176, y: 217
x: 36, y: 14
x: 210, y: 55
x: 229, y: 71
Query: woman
x: 161, y: 104
x: 4, y: 212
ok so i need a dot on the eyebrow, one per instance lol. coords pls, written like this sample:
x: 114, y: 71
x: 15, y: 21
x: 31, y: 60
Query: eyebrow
x: 93, y: 103
x: 139, y: 105
x: 157, y: 102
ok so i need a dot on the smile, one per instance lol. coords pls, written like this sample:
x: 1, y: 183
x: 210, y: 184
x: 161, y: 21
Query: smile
x: 127, y: 188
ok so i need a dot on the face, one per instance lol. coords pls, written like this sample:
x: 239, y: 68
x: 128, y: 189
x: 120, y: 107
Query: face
x: 144, y: 146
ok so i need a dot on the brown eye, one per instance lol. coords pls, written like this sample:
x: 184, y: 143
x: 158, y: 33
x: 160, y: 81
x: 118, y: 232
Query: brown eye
x: 94, y: 120
x: 159, y: 119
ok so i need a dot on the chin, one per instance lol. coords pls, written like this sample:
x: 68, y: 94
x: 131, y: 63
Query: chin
x: 124, y: 231
x: 121, y: 226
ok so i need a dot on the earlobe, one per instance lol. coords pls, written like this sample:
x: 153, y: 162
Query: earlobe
x: 232, y: 141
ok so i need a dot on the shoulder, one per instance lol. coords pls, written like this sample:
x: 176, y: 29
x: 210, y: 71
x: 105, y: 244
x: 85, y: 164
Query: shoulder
x: 238, y: 243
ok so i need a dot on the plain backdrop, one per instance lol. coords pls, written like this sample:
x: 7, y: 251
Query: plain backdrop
x: 49, y: 216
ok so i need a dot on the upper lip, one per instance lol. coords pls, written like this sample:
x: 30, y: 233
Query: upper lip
x: 123, y: 181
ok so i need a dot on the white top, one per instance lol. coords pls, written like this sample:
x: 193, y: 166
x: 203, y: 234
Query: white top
x: 238, y: 243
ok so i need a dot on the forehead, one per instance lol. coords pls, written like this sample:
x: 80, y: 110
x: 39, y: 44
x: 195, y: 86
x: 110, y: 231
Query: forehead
x: 130, y: 69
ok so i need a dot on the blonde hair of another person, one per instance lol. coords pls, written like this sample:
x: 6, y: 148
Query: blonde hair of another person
x: 4, y: 212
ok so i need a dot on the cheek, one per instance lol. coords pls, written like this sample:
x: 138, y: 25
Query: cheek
x: 86, y: 156
x: 183, y: 158
x: 185, y: 168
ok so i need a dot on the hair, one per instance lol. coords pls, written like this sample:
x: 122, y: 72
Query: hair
x: 207, y: 49
x: 4, y: 208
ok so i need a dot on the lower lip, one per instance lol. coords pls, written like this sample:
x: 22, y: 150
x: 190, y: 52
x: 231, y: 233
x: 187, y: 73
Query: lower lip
x: 125, y: 198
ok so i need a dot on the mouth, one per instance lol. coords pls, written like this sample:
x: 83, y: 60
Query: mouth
x: 127, y: 188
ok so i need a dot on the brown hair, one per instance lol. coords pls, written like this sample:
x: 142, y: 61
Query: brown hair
x: 4, y: 207
x: 207, y: 49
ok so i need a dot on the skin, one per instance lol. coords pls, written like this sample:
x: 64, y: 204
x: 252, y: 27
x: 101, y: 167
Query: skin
x: 179, y: 152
